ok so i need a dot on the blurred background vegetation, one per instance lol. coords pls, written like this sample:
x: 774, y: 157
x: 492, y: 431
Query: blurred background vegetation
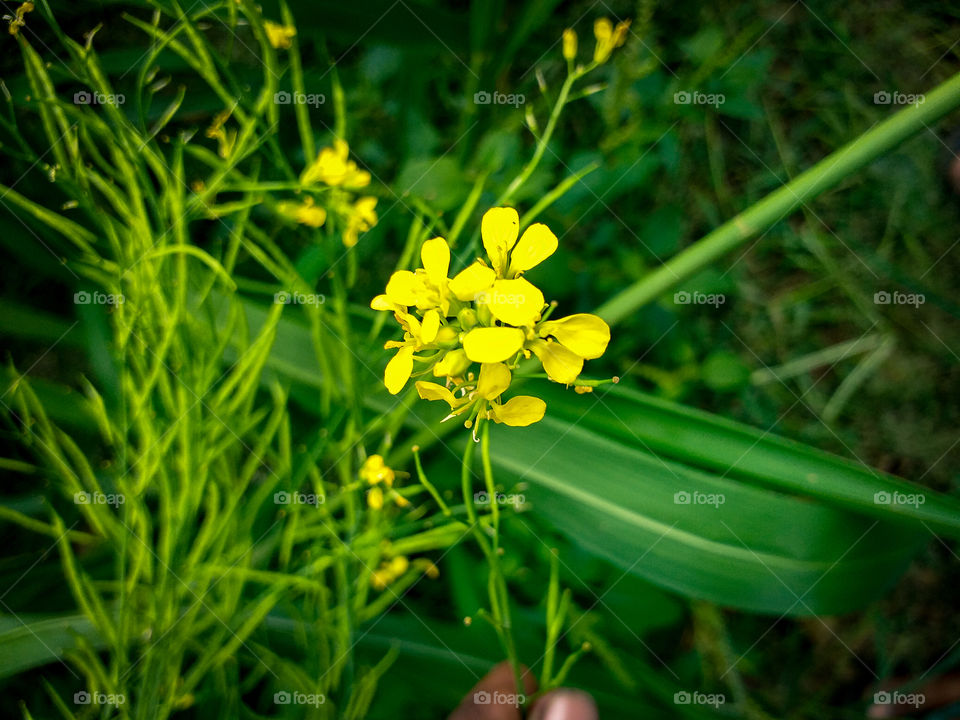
x: 798, y: 347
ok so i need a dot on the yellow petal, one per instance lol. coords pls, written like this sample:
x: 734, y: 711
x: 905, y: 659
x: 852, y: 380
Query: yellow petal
x: 492, y: 344
x: 403, y: 288
x: 453, y: 364
x: 494, y: 379
x: 398, y: 370
x: 435, y: 255
x: 499, y: 229
x: 536, y: 244
x: 472, y: 281
x: 519, y: 411
x: 382, y: 302
x: 561, y: 365
x: 375, y: 498
x: 434, y: 391
x: 430, y: 327
x: 515, y: 302
x: 586, y: 335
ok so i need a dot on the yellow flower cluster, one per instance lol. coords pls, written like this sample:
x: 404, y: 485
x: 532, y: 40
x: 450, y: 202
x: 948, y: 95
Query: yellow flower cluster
x: 487, y: 314
x: 334, y: 168
x: 375, y: 471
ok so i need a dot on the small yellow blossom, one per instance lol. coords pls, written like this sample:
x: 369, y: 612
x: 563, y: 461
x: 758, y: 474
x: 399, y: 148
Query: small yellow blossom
x: 226, y: 139
x: 375, y: 498
x: 608, y: 38
x: 280, y: 36
x: 17, y: 20
x: 375, y: 471
x: 389, y: 571
x: 362, y: 217
x: 569, y: 44
x: 334, y: 167
x: 305, y: 213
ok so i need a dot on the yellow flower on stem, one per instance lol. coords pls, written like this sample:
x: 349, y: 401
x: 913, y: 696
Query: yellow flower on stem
x: 334, y: 167
x: 375, y: 471
x: 17, y: 20
x: 419, y: 335
x: 608, y: 38
x: 362, y: 217
x: 499, y: 229
x: 305, y: 213
x: 279, y: 36
x: 490, y: 315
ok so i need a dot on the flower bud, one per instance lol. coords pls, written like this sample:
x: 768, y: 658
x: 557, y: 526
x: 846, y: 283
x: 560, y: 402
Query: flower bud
x: 467, y: 318
x: 569, y: 44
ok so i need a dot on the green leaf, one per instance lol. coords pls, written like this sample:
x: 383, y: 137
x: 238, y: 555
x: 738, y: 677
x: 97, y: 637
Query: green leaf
x: 31, y: 641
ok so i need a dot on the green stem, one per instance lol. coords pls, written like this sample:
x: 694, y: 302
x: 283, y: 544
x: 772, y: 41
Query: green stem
x: 528, y: 169
x: 766, y: 213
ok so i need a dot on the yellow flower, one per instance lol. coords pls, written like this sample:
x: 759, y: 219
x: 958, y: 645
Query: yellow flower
x: 388, y: 572
x: 608, y: 38
x: 362, y: 217
x: 375, y: 471
x: 418, y: 336
x: 226, y: 139
x: 17, y: 21
x: 334, y: 167
x: 427, y: 288
x: 569, y: 44
x: 490, y: 315
x: 305, y: 213
x: 279, y: 36
x: 499, y: 229
x: 375, y: 498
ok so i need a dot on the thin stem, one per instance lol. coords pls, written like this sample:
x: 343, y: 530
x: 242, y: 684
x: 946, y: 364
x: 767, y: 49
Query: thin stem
x: 766, y: 213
